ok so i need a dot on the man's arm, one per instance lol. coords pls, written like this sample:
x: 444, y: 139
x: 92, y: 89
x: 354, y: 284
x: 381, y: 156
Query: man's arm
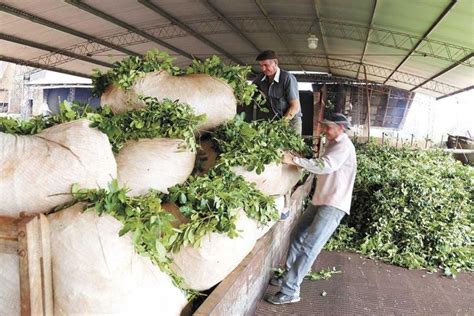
x: 294, y: 109
x: 328, y: 163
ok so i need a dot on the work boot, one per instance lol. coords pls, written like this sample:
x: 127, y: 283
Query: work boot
x: 276, y: 281
x: 280, y: 298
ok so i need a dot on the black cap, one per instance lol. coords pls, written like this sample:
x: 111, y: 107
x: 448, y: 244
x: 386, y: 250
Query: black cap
x: 337, y: 118
x: 266, y: 54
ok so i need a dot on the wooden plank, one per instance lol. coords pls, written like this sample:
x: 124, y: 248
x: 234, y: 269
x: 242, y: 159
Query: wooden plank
x: 46, y: 267
x: 8, y: 246
x: 35, y: 266
x: 24, y: 268
x: 8, y: 228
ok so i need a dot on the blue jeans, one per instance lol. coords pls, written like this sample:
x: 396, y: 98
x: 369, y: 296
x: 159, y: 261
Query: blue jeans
x: 313, y: 230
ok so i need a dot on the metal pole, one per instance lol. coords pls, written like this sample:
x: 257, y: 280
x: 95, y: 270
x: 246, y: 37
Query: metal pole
x: 396, y: 145
x: 368, y: 103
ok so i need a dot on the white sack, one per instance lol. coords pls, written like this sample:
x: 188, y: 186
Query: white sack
x: 35, y: 167
x: 276, y: 179
x: 158, y: 163
x: 203, y: 267
x: 97, y: 272
x: 204, y: 93
x: 280, y: 206
x: 9, y: 284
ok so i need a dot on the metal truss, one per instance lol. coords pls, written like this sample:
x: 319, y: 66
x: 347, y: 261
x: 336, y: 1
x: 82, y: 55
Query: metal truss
x: 350, y: 31
x: 372, y: 70
x: 387, y: 38
x: 292, y: 25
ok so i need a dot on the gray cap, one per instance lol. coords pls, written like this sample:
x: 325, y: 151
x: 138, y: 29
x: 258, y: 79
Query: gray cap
x: 337, y: 118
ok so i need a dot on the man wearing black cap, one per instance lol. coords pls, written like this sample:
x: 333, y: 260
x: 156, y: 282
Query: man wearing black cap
x: 280, y: 88
x: 335, y: 171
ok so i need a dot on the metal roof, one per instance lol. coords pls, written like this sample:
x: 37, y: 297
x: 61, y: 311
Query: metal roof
x: 418, y: 45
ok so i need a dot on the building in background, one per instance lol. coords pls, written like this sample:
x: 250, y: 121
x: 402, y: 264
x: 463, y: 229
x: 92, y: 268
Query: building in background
x: 28, y: 91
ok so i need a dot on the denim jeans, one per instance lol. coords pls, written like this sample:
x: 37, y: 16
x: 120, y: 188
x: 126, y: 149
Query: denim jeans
x: 297, y: 124
x: 313, y: 230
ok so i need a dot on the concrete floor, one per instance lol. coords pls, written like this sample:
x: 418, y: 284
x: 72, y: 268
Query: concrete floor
x: 369, y: 287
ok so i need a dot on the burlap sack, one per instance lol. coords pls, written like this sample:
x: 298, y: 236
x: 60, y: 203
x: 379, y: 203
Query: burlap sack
x: 158, y: 163
x: 97, y: 272
x: 276, y: 179
x: 205, y: 94
x: 205, y: 266
x: 37, y: 171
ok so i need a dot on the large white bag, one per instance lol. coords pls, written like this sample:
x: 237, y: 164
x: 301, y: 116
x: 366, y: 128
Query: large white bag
x: 205, y: 94
x: 9, y: 284
x: 262, y: 229
x: 205, y: 266
x: 97, y: 272
x: 276, y: 179
x: 37, y: 171
x: 158, y: 163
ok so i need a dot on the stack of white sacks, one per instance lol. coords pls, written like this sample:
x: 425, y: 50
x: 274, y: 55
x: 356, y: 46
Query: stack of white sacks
x: 94, y: 270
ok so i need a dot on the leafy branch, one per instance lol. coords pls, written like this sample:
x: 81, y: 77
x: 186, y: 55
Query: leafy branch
x: 253, y: 145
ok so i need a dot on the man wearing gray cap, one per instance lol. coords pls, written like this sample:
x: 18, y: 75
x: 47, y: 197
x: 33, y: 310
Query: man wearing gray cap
x: 280, y: 89
x: 335, y: 171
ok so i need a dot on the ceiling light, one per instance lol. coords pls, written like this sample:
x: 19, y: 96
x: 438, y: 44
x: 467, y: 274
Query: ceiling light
x: 312, y: 41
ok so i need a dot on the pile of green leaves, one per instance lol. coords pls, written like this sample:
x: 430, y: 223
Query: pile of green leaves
x: 235, y: 75
x: 412, y: 208
x: 211, y: 203
x: 256, y: 144
x: 142, y: 216
x: 125, y: 72
x: 67, y: 112
x: 164, y: 118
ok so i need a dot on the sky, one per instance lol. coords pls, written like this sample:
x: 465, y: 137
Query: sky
x: 453, y: 115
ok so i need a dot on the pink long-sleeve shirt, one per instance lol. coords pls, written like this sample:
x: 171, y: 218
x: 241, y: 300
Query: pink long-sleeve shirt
x: 336, y: 171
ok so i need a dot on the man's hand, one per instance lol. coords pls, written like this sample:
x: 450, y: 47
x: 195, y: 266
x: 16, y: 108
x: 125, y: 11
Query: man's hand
x: 288, y: 158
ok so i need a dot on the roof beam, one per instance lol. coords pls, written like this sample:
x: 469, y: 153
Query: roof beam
x: 355, y: 32
x: 185, y: 27
x: 442, y: 72
x: 371, y: 23
x: 35, y: 19
x: 455, y: 92
x: 425, y: 35
x: 105, y: 16
x: 318, y: 17
x: 214, y: 10
x: 372, y: 70
x: 41, y: 66
x: 48, y: 48
x: 275, y: 28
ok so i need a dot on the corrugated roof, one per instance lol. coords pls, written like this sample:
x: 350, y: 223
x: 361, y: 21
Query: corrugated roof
x: 421, y: 45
